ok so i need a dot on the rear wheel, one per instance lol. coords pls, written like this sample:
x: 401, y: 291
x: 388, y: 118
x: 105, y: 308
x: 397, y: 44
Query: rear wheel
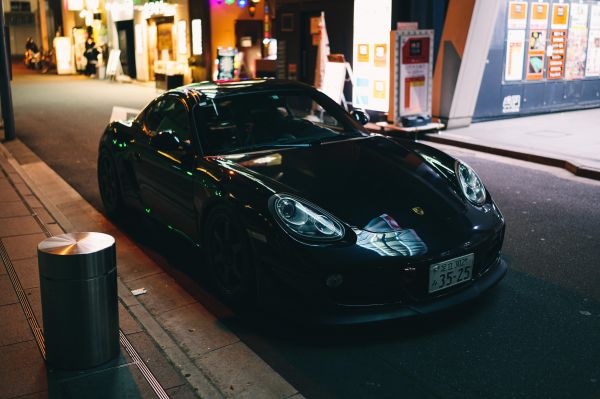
x: 108, y: 183
x: 229, y: 257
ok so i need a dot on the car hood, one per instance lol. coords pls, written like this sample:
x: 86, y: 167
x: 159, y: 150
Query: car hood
x: 372, y: 184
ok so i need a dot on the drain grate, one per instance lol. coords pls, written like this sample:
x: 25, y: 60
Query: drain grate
x: 37, y: 329
x: 22, y: 296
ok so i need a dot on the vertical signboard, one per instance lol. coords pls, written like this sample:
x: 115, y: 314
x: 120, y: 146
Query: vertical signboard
x: 558, y: 41
x: 592, y: 66
x: 371, y: 58
x: 225, y: 60
x: 411, y: 73
x: 515, y: 40
x: 536, y: 48
x: 577, y: 42
x: 515, y: 50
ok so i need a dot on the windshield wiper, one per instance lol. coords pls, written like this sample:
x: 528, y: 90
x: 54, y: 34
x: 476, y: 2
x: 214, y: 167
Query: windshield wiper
x: 265, y: 146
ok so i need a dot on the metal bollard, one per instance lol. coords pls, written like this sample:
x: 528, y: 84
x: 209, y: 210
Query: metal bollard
x: 78, y: 284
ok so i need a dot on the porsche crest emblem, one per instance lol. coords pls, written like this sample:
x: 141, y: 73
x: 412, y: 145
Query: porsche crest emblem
x: 418, y: 210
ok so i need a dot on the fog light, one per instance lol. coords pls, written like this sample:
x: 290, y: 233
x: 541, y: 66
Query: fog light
x: 334, y: 280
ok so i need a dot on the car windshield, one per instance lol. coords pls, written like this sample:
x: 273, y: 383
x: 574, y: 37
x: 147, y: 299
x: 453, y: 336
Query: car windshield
x: 252, y: 121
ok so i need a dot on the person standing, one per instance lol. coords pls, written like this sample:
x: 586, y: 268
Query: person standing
x: 91, y: 53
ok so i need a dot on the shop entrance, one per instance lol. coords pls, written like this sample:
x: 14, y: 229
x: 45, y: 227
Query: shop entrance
x: 308, y: 58
x: 127, y: 47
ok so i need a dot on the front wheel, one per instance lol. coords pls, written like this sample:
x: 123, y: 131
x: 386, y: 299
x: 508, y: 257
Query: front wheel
x: 108, y: 184
x: 229, y: 257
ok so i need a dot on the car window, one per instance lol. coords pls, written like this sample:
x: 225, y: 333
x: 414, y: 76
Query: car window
x: 169, y: 114
x: 253, y: 120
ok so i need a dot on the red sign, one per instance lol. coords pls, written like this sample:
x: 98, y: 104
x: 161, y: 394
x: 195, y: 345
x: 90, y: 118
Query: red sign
x: 416, y: 51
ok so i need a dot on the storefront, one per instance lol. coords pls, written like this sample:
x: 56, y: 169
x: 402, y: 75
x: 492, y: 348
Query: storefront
x: 241, y: 40
x: 152, y: 39
x: 78, y: 16
x: 360, y: 32
x: 544, y: 57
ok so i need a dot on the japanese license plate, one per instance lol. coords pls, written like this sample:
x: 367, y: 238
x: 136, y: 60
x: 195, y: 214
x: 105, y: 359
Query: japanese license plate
x: 450, y: 272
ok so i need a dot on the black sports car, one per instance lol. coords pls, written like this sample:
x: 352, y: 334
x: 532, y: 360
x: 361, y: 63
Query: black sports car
x: 291, y: 198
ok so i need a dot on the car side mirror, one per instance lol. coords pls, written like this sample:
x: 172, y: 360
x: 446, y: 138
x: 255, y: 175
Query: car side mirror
x: 360, y: 116
x: 166, y: 140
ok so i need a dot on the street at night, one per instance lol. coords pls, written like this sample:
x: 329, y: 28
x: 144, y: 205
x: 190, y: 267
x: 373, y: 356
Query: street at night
x: 290, y: 199
x: 534, y: 335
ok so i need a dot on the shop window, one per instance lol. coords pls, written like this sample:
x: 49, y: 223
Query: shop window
x: 164, y: 41
x: 20, y: 6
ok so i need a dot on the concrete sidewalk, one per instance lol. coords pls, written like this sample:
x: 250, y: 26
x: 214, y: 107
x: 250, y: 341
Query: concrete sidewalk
x: 570, y: 140
x: 24, y: 222
x: 171, y: 346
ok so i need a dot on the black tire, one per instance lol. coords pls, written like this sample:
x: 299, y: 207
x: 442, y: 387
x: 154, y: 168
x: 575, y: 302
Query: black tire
x: 229, y: 257
x: 108, y: 184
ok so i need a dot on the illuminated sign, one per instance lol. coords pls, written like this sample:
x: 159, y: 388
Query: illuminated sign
x: 92, y: 4
x: 158, y: 8
x: 64, y: 55
x: 371, y: 56
x: 75, y: 5
x: 196, y: 36
x: 121, y: 10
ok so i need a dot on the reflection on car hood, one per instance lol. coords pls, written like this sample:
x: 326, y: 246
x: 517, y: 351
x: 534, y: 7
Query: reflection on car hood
x: 359, y: 180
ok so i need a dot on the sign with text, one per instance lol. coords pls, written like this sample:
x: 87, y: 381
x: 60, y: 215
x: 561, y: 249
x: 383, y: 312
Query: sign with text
x: 577, y: 42
x: 371, y: 43
x: 537, y: 35
x: 515, y: 51
x: 412, y: 69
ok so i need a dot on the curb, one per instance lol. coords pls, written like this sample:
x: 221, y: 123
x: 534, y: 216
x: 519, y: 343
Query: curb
x: 252, y: 378
x: 575, y: 169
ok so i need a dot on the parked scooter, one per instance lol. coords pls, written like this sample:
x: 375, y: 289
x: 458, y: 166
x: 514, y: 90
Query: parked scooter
x: 47, y: 62
x: 32, y: 55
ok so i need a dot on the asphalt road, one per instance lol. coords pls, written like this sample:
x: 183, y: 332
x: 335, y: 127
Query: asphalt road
x: 537, y: 335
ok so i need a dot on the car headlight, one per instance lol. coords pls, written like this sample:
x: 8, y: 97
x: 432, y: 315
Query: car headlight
x: 305, y: 221
x: 470, y: 183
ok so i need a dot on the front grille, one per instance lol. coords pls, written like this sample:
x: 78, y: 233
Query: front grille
x: 373, y: 287
x: 396, y: 280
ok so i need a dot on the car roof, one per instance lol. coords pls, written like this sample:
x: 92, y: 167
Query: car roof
x: 225, y: 88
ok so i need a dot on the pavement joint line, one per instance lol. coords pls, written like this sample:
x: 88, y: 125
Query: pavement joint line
x: 30, y: 315
x: 200, y: 380
x: 24, y: 301
x: 150, y: 378
x: 197, y: 375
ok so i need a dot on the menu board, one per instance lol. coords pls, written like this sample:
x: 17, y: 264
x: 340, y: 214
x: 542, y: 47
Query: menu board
x: 412, y: 73
x: 415, y: 79
x: 225, y: 60
x: 371, y: 56
x: 515, y: 40
x: 558, y: 41
x: 552, y: 40
x: 577, y: 42
x: 537, y: 35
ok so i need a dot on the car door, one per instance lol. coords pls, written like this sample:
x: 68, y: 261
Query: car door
x: 165, y: 172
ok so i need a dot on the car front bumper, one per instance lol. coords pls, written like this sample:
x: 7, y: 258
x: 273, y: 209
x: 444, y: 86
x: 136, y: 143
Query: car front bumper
x: 357, y: 314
